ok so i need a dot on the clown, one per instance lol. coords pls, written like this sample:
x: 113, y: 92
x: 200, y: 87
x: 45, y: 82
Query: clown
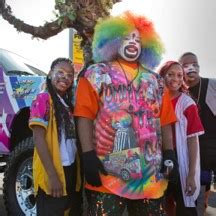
x: 115, y: 105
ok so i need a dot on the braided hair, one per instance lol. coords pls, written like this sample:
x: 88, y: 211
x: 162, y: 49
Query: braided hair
x: 60, y: 111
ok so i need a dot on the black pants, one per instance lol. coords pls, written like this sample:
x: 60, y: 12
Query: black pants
x: 51, y: 206
x: 208, y: 154
x: 113, y: 205
x: 181, y: 210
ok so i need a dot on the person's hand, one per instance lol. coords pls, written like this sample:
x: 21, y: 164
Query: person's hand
x: 173, y: 173
x: 55, y: 186
x: 92, y: 167
x: 214, y: 186
x: 190, y: 185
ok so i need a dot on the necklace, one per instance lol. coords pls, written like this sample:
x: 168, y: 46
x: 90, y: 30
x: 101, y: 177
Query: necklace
x: 128, y: 82
x: 199, y: 91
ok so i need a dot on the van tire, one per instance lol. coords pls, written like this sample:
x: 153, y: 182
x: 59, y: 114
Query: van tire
x: 18, y: 192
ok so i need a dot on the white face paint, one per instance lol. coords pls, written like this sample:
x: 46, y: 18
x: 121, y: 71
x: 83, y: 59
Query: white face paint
x: 131, y: 47
x: 62, y: 77
x: 191, y: 68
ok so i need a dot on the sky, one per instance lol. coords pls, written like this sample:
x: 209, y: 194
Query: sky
x: 183, y: 25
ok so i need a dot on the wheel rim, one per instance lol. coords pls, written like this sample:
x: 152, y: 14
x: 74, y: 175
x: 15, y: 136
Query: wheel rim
x: 25, y: 189
x: 125, y: 175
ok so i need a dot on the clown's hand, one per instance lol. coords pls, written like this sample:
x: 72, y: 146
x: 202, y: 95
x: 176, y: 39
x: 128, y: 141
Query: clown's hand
x: 92, y: 168
x: 170, y: 166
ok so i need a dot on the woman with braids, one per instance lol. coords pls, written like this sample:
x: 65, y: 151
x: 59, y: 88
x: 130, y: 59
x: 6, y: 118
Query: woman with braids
x: 56, y: 169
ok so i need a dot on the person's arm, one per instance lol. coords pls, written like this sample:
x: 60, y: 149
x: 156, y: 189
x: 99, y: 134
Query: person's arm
x: 91, y: 163
x: 55, y: 185
x: 194, y: 129
x: 85, y: 132
x: 192, y: 151
x: 167, y: 118
x: 86, y: 108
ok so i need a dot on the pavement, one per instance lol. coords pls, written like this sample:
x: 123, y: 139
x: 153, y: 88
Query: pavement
x: 211, y: 210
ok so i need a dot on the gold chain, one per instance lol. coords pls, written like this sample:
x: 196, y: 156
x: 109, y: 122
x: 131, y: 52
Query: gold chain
x: 199, y: 91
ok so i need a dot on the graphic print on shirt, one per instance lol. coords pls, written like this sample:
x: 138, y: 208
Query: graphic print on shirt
x: 124, y: 135
x: 127, y: 131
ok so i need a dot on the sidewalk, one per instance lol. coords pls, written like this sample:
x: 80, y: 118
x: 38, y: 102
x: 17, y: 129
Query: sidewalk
x: 211, y: 210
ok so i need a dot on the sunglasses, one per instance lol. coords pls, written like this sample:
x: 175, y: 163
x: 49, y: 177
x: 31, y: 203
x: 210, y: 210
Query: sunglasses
x: 58, y: 74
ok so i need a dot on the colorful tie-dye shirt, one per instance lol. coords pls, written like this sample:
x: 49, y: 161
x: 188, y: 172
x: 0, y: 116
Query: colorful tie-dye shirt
x: 127, y: 127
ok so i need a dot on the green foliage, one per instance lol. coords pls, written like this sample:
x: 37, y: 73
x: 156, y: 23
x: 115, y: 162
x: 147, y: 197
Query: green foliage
x: 64, y: 10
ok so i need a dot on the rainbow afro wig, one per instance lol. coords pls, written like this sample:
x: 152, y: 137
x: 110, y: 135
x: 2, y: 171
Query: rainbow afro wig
x: 110, y: 32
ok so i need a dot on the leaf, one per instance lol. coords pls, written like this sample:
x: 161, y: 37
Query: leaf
x: 72, y: 17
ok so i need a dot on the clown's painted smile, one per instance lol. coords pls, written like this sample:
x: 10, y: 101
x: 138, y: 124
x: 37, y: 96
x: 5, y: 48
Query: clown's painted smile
x: 131, y: 47
x: 131, y: 51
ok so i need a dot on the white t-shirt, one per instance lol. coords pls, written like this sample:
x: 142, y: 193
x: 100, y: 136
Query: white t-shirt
x: 68, y: 150
x: 68, y: 147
